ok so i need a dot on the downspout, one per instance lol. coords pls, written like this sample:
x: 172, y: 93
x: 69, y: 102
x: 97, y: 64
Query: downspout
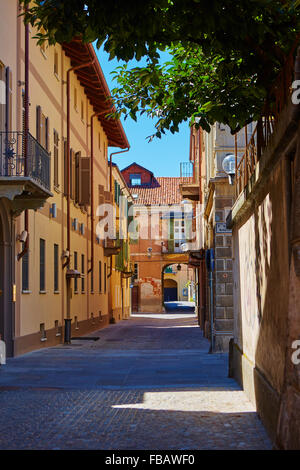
x: 67, y: 335
x: 26, y: 131
x: 110, y: 189
x: 110, y: 186
x: 110, y: 164
x: 91, y: 269
x: 77, y: 67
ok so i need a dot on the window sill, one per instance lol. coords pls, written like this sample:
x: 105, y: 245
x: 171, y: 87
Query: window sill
x: 26, y: 292
x: 43, y: 339
x: 57, y: 292
x: 42, y: 292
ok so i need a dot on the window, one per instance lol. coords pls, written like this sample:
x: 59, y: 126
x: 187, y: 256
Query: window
x: 136, y: 271
x: 75, y: 98
x: 55, y: 68
x: 82, y: 110
x: 42, y: 127
x: 55, y: 157
x: 56, y: 288
x: 99, y: 140
x: 42, y: 265
x: 104, y: 278
x: 75, y: 267
x: 92, y: 281
x: 135, y: 180
x: 65, y: 167
x: 100, y: 277
x: 82, y: 272
x: 25, y: 272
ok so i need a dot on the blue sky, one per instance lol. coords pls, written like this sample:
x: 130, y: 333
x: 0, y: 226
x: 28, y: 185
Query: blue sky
x: 162, y: 156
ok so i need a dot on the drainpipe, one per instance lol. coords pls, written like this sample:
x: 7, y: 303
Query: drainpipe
x: 91, y: 269
x: 68, y: 320
x: 77, y: 67
x: 110, y: 165
x: 26, y: 131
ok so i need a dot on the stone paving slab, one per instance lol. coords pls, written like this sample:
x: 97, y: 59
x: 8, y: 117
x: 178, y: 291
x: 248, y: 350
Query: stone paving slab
x: 163, y: 392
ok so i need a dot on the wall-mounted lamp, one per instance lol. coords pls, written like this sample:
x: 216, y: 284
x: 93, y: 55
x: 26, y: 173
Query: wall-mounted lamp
x: 22, y: 237
x: 228, y: 165
x: 149, y: 252
x: 178, y: 267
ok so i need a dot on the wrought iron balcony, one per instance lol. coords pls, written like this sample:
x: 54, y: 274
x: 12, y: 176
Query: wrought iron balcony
x: 187, y: 171
x: 12, y: 158
x: 25, y: 181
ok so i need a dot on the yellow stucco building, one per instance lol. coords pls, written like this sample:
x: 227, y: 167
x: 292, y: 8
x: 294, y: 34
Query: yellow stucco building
x: 54, y: 172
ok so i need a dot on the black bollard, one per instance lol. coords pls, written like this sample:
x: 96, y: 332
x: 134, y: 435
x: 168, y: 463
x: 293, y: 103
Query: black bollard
x: 67, y: 331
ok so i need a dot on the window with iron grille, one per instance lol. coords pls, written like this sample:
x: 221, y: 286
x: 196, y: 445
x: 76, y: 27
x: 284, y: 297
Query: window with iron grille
x: 136, y: 271
x: 56, y: 288
x: 75, y: 267
x: 100, y: 277
x: 25, y: 272
x: 42, y: 128
x: 42, y: 265
x: 55, y: 157
x: 82, y: 272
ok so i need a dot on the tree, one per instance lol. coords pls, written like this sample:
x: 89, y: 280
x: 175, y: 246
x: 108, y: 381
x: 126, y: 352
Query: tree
x: 225, y: 54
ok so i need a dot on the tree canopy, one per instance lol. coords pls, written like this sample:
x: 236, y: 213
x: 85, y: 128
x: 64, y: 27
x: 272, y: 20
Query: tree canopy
x: 224, y: 54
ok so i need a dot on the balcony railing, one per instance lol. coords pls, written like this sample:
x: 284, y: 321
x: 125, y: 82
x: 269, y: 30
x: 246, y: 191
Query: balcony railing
x: 276, y: 101
x: 187, y: 171
x: 12, y: 158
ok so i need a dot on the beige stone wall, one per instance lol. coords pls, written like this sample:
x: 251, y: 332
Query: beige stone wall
x: 261, y: 292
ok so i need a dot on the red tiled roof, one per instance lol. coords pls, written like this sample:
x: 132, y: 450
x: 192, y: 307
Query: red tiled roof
x: 167, y: 192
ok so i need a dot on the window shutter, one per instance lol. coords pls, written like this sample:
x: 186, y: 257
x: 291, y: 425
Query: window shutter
x: 47, y: 137
x: 65, y: 168
x: 2, y: 97
x: 84, y: 181
x: 8, y: 100
x: 42, y: 264
x: 72, y: 174
x: 25, y: 266
x: 55, y: 155
x: 116, y: 192
x: 38, y: 123
x: 56, y: 264
x: 77, y: 158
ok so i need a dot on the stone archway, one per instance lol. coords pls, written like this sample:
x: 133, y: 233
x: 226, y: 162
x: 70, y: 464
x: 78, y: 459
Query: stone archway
x: 6, y: 304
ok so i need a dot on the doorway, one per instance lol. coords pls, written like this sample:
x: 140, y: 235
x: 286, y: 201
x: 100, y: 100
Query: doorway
x: 6, y: 305
x: 170, y: 290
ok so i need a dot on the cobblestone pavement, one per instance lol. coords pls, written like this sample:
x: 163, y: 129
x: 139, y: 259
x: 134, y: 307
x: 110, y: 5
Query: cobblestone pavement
x: 147, y: 383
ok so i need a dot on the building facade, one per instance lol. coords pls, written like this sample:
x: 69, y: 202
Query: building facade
x: 265, y: 354
x: 160, y: 227
x: 53, y: 170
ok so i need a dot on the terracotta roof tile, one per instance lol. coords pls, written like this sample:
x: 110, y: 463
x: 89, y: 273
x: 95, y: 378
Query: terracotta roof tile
x: 166, y: 192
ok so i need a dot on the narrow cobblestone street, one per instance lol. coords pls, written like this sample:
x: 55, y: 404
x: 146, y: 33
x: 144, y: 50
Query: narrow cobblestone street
x: 147, y: 383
